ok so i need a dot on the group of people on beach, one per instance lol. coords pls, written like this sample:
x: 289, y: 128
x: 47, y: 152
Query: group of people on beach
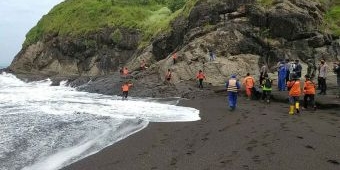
x: 289, y: 75
x: 288, y: 79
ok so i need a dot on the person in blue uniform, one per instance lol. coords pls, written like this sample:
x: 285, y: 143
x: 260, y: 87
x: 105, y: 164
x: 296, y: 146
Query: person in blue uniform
x: 233, y: 86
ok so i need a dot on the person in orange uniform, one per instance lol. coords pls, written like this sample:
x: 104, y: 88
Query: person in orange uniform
x: 249, y: 82
x: 174, y: 57
x: 125, y: 89
x: 200, y: 76
x: 309, y: 91
x: 294, y: 87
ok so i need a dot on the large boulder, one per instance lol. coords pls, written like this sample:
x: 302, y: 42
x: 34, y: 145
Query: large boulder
x: 292, y: 19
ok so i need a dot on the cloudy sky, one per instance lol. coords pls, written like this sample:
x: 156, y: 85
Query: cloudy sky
x: 17, y: 17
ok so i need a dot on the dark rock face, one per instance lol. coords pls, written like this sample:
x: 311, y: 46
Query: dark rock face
x: 231, y: 28
x: 166, y: 44
x: 93, y: 54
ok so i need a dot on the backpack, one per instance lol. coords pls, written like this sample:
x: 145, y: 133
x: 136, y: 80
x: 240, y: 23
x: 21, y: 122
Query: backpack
x: 268, y: 83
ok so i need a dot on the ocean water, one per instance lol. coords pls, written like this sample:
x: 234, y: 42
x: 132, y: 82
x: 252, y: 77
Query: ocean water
x: 45, y: 127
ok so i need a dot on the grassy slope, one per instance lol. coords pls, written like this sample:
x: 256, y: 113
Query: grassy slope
x: 76, y: 17
x: 332, y: 19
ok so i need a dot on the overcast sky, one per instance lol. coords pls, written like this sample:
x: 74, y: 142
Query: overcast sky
x: 17, y: 17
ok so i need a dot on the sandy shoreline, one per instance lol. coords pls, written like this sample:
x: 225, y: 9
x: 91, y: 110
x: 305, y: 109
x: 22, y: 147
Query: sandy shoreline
x: 255, y: 136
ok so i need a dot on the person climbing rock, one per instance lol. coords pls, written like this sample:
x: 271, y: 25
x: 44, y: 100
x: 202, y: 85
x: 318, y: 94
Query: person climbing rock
x: 142, y: 65
x: 200, y: 76
x: 174, y: 57
x: 168, y: 76
x: 125, y: 72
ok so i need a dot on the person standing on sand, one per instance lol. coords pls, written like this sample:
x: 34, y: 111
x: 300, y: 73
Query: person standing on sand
x: 266, y: 88
x: 125, y: 89
x: 311, y: 68
x: 287, y: 65
x: 233, y: 86
x: 282, y: 77
x: 323, y: 75
x: 309, y: 91
x: 263, y: 71
x: 298, y: 68
x: 249, y: 83
x: 200, y: 76
x: 336, y: 70
x: 294, y: 88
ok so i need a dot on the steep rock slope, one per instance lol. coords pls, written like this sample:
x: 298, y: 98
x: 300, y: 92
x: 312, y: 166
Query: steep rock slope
x: 242, y: 33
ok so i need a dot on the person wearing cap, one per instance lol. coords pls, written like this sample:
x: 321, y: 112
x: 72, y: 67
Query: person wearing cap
x: 322, y: 76
x: 294, y: 88
x: 233, y: 86
x: 309, y: 92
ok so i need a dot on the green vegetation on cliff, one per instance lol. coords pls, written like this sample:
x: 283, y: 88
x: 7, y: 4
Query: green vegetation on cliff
x: 77, y: 17
x: 333, y: 20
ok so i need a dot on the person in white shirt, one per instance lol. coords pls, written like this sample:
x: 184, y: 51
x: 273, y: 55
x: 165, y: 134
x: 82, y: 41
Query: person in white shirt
x: 322, y: 76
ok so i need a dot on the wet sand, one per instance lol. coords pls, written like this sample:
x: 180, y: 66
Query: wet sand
x: 255, y: 136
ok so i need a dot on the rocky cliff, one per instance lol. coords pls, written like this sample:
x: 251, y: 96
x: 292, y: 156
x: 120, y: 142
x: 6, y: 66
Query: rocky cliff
x: 242, y: 33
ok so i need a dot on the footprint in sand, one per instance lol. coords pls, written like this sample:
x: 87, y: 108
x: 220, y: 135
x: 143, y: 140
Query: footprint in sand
x: 205, y: 139
x: 250, y: 148
x: 300, y: 137
x: 190, y: 152
x: 173, y: 161
x: 246, y: 167
x: 309, y: 147
x: 253, y: 141
x: 332, y: 161
x: 256, y: 159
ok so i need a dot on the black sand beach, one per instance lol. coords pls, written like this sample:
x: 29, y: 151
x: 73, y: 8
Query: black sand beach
x: 254, y: 136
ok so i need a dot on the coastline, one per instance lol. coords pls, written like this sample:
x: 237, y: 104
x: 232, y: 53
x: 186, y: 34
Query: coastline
x: 255, y: 136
